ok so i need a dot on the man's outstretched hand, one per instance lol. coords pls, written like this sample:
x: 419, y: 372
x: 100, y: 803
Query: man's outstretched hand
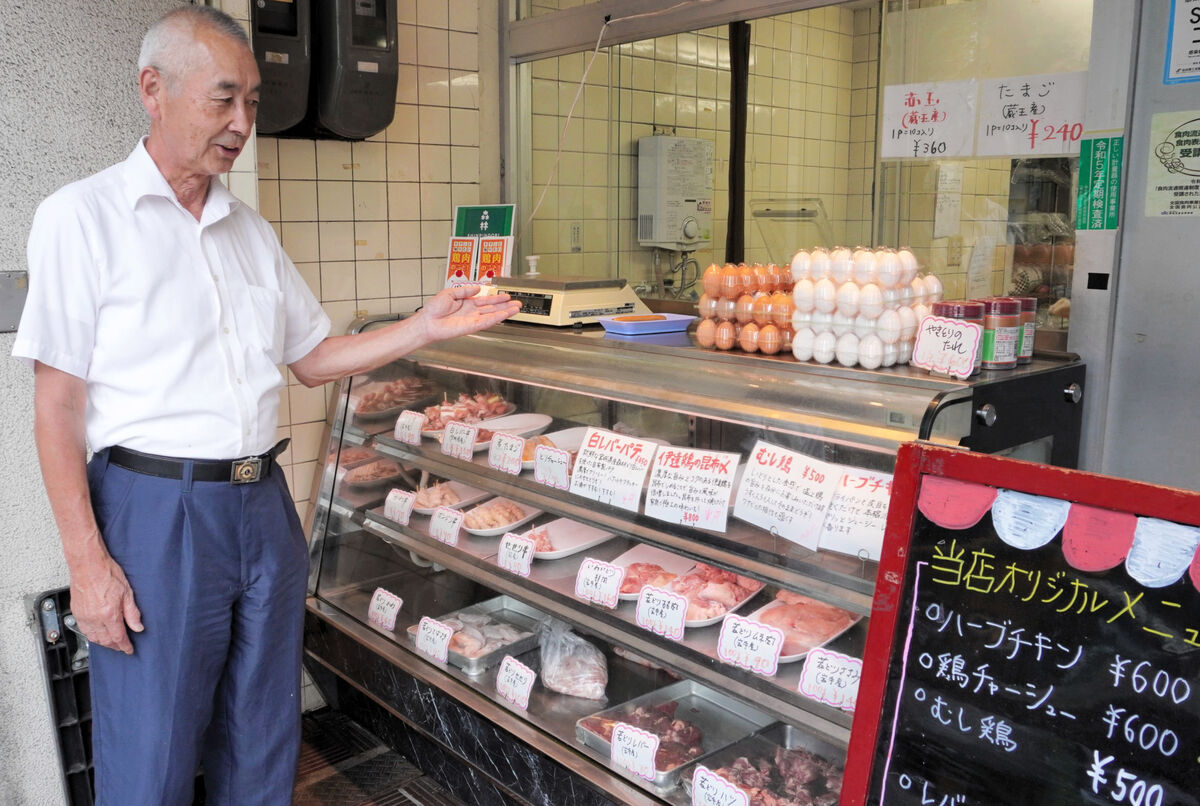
x: 457, y: 311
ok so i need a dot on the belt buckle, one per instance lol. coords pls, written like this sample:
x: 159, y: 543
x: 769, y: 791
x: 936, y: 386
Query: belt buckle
x: 246, y: 470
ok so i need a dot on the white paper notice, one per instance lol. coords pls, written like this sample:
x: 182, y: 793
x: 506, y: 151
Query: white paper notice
x: 929, y: 120
x: 444, y: 524
x: 504, y: 453
x: 634, y: 749
x: 514, y: 681
x: 750, y: 644
x: 1183, y: 57
x: 398, y: 506
x: 408, y: 427
x: 979, y: 271
x: 433, y: 639
x: 857, y: 515
x: 551, y: 466
x: 947, y: 345
x: 710, y: 789
x: 458, y: 440
x: 787, y: 493
x: 947, y: 210
x: 691, y: 487
x: 611, y: 468
x: 1022, y: 115
x: 383, y: 609
x: 831, y: 678
x: 515, y: 554
x: 599, y: 582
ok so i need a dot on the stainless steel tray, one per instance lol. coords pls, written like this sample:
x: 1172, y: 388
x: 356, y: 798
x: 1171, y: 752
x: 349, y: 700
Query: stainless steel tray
x: 502, y: 608
x: 763, y: 744
x: 721, y: 719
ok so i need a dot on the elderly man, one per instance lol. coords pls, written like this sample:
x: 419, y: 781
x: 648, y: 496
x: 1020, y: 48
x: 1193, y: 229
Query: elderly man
x: 160, y: 309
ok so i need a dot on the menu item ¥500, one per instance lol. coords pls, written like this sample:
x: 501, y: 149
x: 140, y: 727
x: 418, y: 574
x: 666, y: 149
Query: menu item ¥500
x: 438, y: 495
x: 373, y: 472
x: 678, y: 739
x: 639, y: 575
x: 494, y: 514
x: 712, y: 591
x: 804, y: 622
x: 466, y: 409
x: 792, y: 778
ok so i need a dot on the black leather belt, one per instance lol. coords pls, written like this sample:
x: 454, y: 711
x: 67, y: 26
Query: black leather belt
x: 234, y: 471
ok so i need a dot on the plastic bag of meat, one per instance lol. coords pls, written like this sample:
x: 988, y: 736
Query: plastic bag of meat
x: 570, y: 665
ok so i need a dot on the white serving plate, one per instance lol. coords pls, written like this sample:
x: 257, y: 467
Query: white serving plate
x: 530, y: 514
x: 774, y: 603
x: 644, y: 553
x: 569, y: 439
x: 466, y: 496
x: 708, y: 621
x: 570, y: 537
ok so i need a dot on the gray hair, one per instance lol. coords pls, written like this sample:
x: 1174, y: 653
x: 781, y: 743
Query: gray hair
x: 168, y: 45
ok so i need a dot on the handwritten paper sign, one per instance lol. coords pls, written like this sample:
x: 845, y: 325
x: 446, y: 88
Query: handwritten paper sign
x: 504, y: 453
x: 433, y: 639
x: 383, y: 609
x: 408, y: 427
x: 661, y: 612
x: 634, y: 749
x: 947, y: 207
x: 929, y: 120
x: 599, y: 582
x: 444, y: 524
x: 857, y: 515
x: 611, y: 468
x: 514, y: 681
x: 831, y: 678
x: 979, y: 269
x: 947, y: 346
x: 750, y: 644
x: 787, y: 493
x: 552, y: 466
x: 1040, y: 114
x: 397, y: 507
x: 515, y: 554
x: 691, y: 487
x: 710, y: 789
x: 458, y: 440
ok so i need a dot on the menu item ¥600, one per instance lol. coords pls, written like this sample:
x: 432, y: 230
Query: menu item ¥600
x: 712, y: 592
x: 465, y: 409
x: 678, y: 739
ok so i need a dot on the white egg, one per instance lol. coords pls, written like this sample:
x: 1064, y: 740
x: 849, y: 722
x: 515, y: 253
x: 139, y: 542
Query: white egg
x: 822, y: 322
x: 890, y: 353
x: 802, y: 343
x: 847, y: 298
x: 887, y: 326
x: 870, y: 351
x: 818, y: 263
x: 908, y: 322
x: 920, y: 311
x: 864, y: 267
x: 801, y: 319
x: 824, y: 347
x: 840, y: 266
x: 825, y: 295
x: 800, y: 267
x: 802, y: 294
x: 887, y: 269
x: 864, y: 325
x: 846, y: 349
x: 870, y: 300
x: 908, y: 264
x: 918, y: 291
x: 904, y: 352
x: 904, y: 295
x: 891, y: 298
x: 933, y: 288
x: 841, y: 323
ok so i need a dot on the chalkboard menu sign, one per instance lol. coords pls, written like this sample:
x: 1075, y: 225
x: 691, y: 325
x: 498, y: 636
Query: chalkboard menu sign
x: 1034, y: 640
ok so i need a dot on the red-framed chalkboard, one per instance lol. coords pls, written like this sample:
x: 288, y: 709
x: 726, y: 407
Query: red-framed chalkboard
x: 1034, y: 639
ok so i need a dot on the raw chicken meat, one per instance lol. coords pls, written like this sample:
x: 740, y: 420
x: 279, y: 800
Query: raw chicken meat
x: 495, y: 514
x: 439, y: 495
x: 789, y: 778
x: 679, y: 741
x: 713, y: 591
x: 804, y: 622
x: 466, y: 409
x: 639, y: 575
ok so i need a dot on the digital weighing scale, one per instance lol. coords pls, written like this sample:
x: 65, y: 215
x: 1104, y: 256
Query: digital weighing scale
x: 564, y: 301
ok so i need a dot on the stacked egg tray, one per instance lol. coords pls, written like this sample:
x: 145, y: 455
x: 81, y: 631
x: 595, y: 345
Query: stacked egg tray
x: 859, y: 307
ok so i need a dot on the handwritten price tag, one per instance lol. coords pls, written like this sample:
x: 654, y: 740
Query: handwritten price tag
x: 832, y: 678
x: 398, y: 506
x: 444, y: 525
x: 383, y: 609
x: 750, y: 645
x: 433, y: 639
x: 691, y: 487
x: 408, y: 427
x: 634, y: 749
x: 661, y: 612
x: 514, y: 681
x: 947, y: 346
x: 458, y: 440
x: 599, y: 582
x: 504, y: 454
x: 515, y: 554
x: 710, y: 789
x: 551, y: 466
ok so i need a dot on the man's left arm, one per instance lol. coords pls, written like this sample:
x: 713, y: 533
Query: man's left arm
x: 452, y: 312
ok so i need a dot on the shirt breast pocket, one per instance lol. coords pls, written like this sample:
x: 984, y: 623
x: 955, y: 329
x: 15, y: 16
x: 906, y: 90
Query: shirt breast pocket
x: 264, y: 321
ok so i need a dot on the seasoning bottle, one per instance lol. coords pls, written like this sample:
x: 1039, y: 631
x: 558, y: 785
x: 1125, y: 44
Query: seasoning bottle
x: 1001, y: 332
x: 968, y: 312
x: 1028, y: 328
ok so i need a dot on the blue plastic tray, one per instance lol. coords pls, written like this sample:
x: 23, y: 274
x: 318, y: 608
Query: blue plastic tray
x: 672, y: 323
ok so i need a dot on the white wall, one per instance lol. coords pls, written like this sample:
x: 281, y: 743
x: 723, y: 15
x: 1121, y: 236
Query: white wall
x: 69, y: 108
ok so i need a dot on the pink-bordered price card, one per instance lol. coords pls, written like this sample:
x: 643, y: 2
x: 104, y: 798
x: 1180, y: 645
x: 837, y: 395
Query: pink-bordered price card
x: 831, y: 678
x: 505, y: 452
x: 661, y: 612
x: 458, y: 440
x: 433, y: 639
x: 599, y: 582
x: 551, y: 467
x: 514, y: 681
x: 383, y: 609
x: 751, y: 645
x: 633, y: 749
x: 947, y: 346
x: 444, y: 524
x: 515, y: 554
x: 398, y: 506
x: 408, y: 427
x: 710, y: 789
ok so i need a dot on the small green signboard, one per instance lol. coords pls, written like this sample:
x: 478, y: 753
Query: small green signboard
x: 1099, y: 200
x: 483, y: 219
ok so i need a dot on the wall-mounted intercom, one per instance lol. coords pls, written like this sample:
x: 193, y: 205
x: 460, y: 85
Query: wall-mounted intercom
x: 675, y: 192
x: 282, y: 47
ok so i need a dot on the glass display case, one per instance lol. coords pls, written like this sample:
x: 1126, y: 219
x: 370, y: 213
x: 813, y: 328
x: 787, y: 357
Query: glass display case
x: 666, y: 538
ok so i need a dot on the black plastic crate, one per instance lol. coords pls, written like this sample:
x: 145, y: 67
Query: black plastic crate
x: 65, y: 660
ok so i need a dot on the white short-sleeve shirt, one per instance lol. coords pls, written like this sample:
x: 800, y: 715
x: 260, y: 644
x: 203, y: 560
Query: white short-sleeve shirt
x: 178, y: 326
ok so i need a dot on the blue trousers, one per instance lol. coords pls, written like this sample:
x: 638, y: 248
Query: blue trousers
x: 219, y: 573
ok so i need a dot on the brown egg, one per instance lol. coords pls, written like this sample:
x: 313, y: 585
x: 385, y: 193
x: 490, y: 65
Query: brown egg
x: 731, y: 282
x: 748, y: 338
x: 707, y: 306
x: 777, y: 277
x: 762, y: 280
x: 786, y: 333
x: 712, y: 280
x: 770, y: 340
x: 726, y: 309
x: 725, y: 336
x: 781, y: 308
x: 763, y: 308
x: 706, y: 333
x: 745, y: 308
x: 748, y: 280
